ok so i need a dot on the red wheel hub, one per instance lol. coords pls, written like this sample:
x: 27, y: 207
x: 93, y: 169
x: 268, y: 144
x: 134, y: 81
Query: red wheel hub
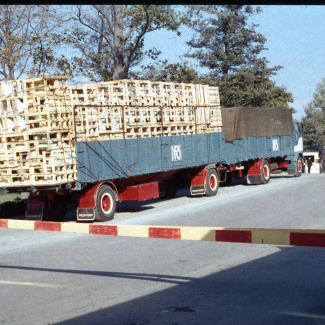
x: 266, y: 172
x: 212, y: 182
x: 106, y: 203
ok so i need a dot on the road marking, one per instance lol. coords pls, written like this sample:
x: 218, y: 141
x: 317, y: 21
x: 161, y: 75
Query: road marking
x: 289, y: 237
x: 34, y: 284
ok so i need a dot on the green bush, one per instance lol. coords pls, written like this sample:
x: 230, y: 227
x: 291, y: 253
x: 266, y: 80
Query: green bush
x: 14, y: 208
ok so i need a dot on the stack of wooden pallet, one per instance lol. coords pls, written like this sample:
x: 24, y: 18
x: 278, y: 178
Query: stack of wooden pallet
x: 42, y: 118
x: 145, y: 108
x: 146, y: 93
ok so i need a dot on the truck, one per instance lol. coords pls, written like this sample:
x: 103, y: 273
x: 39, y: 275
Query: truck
x: 93, y: 145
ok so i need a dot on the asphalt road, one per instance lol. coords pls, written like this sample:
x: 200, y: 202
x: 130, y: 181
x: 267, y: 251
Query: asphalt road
x: 63, y: 278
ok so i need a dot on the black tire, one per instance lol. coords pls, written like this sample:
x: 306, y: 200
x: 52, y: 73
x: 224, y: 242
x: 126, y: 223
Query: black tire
x: 55, y: 209
x: 212, y: 183
x: 299, y: 167
x: 171, y: 189
x: 266, y: 172
x: 105, y: 204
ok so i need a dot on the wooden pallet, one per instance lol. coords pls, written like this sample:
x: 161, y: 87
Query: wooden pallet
x: 42, y: 118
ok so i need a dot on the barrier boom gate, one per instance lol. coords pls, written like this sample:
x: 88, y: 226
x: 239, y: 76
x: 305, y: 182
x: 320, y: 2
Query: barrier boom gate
x: 289, y: 237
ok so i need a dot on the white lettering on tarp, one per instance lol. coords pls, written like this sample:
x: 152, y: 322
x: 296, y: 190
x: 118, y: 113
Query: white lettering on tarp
x: 176, y: 153
x: 275, y: 144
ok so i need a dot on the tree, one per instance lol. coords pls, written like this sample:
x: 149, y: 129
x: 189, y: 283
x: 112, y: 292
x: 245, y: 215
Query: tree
x: 111, y: 37
x: 251, y: 86
x: 314, y: 121
x: 230, y: 48
x: 26, y: 46
x: 223, y: 41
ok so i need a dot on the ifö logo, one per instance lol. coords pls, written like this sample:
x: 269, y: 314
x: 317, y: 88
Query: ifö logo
x: 176, y: 153
x: 275, y: 145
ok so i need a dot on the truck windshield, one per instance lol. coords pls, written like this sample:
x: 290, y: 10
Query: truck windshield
x: 297, y: 127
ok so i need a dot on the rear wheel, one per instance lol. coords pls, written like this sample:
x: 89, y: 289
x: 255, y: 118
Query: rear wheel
x: 299, y: 167
x: 266, y: 172
x: 212, y: 183
x: 105, y: 204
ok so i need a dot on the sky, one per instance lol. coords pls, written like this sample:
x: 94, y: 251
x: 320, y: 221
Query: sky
x: 295, y: 40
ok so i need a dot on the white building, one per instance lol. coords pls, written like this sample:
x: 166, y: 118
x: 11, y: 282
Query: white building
x: 314, y: 155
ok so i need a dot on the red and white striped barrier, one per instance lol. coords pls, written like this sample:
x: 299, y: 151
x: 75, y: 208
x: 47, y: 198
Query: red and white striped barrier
x: 292, y: 237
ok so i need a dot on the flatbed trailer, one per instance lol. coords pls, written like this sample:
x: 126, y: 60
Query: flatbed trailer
x: 147, y: 168
x: 93, y: 154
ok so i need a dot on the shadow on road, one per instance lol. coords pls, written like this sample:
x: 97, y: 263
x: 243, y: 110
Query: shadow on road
x: 284, y: 288
x: 135, y: 276
x: 287, y: 287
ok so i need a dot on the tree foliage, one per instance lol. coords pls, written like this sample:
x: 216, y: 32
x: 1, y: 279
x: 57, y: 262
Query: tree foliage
x: 223, y: 41
x: 26, y: 44
x: 230, y: 48
x: 314, y: 120
x: 110, y: 38
x: 251, y: 86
